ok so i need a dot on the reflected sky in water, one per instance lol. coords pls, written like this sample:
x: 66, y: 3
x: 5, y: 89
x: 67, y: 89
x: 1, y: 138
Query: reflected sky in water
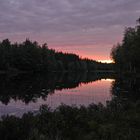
x: 86, y: 93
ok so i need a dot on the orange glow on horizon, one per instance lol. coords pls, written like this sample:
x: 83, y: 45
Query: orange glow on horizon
x: 108, y: 80
x: 99, y: 58
x: 105, y: 61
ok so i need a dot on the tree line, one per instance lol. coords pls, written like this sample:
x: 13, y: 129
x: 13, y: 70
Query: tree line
x: 30, y: 56
x: 126, y: 54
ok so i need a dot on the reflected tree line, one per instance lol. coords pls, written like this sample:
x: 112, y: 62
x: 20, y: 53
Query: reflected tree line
x: 30, y: 87
x: 126, y: 87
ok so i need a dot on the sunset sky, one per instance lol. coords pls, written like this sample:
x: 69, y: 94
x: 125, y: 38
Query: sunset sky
x: 86, y: 27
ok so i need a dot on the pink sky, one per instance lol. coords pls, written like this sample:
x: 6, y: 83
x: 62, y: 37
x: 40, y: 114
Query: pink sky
x: 89, y: 28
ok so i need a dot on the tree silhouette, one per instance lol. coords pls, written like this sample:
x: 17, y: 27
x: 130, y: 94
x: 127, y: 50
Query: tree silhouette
x: 126, y: 54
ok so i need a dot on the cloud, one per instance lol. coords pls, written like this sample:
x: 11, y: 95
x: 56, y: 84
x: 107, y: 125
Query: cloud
x: 67, y: 22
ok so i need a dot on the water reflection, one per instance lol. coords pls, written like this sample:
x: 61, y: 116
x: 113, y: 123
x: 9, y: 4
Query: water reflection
x: 85, y: 94
x: 23, y: 93
x: 126, y: 87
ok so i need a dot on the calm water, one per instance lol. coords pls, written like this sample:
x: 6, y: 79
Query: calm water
x: 20, y: 94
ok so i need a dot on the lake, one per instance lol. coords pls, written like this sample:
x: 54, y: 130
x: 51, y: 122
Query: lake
x: 23, y: 93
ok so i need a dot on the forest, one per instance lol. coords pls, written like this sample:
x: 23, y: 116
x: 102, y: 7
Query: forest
x: 30, y: 56
x: 126, y: 54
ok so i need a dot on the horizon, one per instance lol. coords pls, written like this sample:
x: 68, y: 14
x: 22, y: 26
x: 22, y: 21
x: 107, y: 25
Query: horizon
x: 86, y: 28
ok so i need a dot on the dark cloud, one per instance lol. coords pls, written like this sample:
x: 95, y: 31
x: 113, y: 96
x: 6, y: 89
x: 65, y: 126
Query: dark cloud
x: 68, y: 22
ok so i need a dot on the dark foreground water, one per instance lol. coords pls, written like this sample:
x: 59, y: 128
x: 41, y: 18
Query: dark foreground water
x: 23, y: 93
